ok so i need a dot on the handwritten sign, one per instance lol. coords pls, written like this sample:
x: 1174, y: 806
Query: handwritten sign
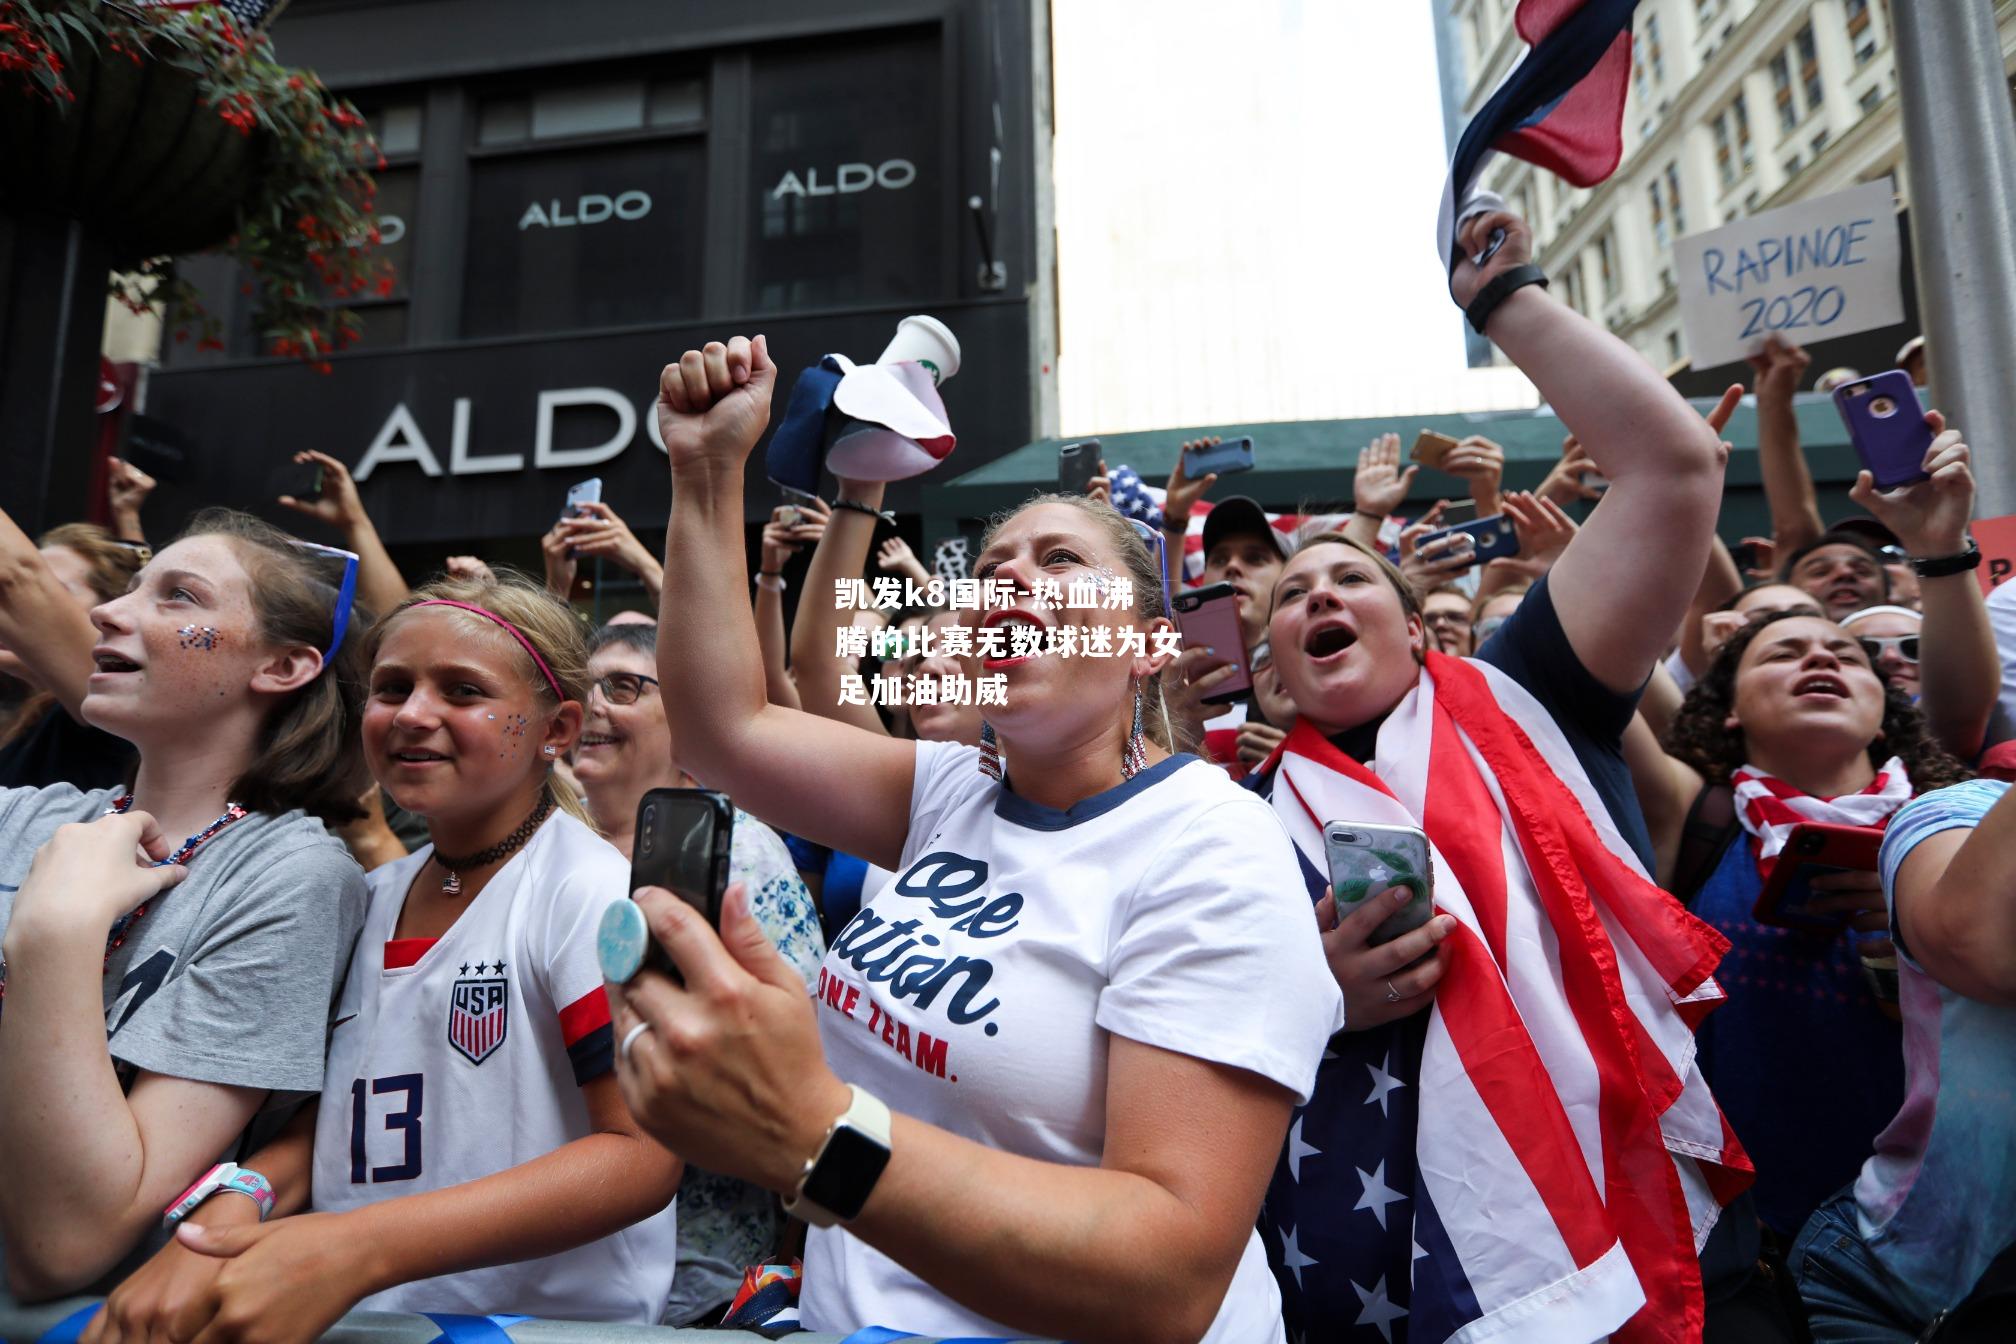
x: 1814, y: 270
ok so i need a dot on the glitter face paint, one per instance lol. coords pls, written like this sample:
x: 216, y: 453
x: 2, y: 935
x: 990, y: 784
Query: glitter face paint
x: 204, y: 637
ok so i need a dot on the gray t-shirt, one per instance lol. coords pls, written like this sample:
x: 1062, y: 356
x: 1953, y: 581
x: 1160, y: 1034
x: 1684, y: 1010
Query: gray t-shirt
x: 229, y: 976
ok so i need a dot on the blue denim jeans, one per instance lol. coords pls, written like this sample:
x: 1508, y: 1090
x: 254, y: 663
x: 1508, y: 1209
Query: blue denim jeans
x: 1846, y: 1291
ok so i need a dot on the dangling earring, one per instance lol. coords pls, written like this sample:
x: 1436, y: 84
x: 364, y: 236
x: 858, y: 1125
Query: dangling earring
x: 1134, y: 756
x: 990, y: 752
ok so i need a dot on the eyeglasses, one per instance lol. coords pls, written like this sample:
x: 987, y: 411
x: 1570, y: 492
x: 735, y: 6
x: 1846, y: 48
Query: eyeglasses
x: 1455, y: 619
x: 1486, y: 628
x: 1878, y: 645
x: 623, y: 688
x: 1152, y: 534
x: 346, y: 594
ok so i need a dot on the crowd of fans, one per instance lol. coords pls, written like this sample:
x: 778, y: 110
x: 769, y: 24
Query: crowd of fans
x: 342, y: 848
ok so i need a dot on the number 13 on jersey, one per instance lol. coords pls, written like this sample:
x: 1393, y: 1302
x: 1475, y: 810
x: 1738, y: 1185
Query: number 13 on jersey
x: 403, y: 1119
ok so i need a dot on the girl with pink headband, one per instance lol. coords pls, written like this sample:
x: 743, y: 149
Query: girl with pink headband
x: 469, y: 1099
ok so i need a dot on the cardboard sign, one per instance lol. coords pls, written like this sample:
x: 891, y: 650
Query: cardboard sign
x: 1997, y: 539
x: 1814, y: 270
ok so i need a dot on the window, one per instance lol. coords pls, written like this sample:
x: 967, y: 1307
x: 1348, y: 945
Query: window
x: 607, y: 233
x: 1673, y: 198
x: 1653, y: 54
x: 844, y: 162
x: 1751, y: 200
x: 1819, y: 142
x: 1672, y: 347
x: 1793, y: 165
x: 1725, y: 157
x: 1477, y: 42
x: 1606, y: 263
x: 1871, y: 98
x: 1658, y: 213
x: 1857, y: 13
x: 1741, y: 107
x: 1572, y: 289
x: 1809, y: 67
x: 1781, y: 84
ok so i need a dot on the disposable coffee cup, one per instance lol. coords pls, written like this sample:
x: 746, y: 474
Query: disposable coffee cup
x: 929, y: 342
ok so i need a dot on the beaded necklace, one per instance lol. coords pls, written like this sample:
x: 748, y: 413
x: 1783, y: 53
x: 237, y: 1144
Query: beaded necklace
x: 124, y: 924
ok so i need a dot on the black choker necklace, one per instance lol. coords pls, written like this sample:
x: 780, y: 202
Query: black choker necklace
x: 452, y: 884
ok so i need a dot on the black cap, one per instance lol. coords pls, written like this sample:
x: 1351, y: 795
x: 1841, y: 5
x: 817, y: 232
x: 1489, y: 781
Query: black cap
x: 1240, y: 514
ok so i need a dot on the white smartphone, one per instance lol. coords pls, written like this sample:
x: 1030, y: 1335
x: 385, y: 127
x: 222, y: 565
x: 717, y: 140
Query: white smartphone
x: 587, y: 492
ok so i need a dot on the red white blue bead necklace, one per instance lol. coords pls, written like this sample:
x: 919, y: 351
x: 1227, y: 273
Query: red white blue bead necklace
x: 124, y: 924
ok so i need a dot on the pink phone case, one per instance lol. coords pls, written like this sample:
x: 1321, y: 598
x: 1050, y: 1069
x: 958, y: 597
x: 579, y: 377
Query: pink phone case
x: 1887, y: 426
x: 1209, y: 618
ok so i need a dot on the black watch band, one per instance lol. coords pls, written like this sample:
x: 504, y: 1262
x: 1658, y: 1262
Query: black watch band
x: 1939, y: 566
x: 856, y: 506
x: 1488, y: 298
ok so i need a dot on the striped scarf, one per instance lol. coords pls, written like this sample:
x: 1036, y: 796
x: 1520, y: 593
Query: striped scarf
x: 1769, y: 808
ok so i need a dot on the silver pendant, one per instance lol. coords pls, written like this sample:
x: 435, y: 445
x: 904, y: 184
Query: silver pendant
x: 452, y: 884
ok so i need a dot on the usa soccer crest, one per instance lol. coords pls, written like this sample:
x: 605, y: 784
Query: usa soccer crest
x: 478, y: 1013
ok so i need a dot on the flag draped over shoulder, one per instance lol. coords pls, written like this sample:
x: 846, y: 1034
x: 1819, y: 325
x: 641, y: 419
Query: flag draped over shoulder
x: 1561, y: 107
x: 1567, y: 1140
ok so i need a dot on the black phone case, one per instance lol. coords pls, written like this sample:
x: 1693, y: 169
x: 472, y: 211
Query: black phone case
x: 683, y: 842
x: 1076, y: 470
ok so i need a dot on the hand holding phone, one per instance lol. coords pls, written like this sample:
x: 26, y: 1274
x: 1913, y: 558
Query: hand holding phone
x: 1431, y: 448
x: 1813, y: 849
x: 1222, y: 459
x: 1492, y: 538
x: 1886, y: 424
x: 1366, y: 859
x: 1077, y: 464
x: 683, y: 841
x: 1209, y: 618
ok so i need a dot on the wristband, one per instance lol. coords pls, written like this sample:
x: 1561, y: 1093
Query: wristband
x: 770, y: 582
x: 1940, y: 566
x: 857, y: 506
x: 837, y: 1180
x: 1501, y: 288
x: 224, y: 1176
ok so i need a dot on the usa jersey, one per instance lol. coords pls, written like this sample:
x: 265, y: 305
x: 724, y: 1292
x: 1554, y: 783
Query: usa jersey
x: 456, y: 1058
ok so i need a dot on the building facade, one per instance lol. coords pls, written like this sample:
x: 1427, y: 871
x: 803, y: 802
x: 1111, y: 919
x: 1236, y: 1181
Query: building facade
x: 574, y: 194
x: 1735, y: 106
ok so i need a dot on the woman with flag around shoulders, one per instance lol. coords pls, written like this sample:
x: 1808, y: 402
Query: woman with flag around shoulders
x: 1510, y: 1135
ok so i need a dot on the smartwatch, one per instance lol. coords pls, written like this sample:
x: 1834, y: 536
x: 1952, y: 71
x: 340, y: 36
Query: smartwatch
x: 224, y: 1176
x: 838, y: 1179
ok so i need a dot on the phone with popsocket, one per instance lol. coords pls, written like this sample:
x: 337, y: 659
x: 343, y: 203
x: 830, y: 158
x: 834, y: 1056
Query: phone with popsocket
x: 1886, y: 426
x: 1492, y: 538
x: 1366, y: 858
x: 1222, y: 459
x: 682, y: 845
x: 1209, y: 619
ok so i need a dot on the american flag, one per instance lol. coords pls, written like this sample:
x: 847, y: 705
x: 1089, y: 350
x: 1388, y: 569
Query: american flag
x: 1561, y: 108
x: 1535, y: 1159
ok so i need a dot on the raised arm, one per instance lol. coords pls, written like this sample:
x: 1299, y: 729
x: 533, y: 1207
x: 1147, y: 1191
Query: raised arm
x: 41, y: 622
x: 1954, y: 900
x: 1788, y: 482
x: 1720, y: 581
x: 127, y: 489
x: 782, y: 539
x: 1615, y: 587
x: 842, y: 553
x: 379, y: 584
x: 831, y: 783
x: 1958, y: 683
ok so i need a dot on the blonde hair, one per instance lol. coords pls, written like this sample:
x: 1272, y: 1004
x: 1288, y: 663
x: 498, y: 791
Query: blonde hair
x: 112, y: 564
x: 548, y: 625
x: 1159, y: 727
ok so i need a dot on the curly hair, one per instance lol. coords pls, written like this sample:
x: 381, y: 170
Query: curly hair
x: 1700, y: 737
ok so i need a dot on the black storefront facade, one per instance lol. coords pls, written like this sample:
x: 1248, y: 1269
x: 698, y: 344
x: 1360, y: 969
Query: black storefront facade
x: 577, y: 193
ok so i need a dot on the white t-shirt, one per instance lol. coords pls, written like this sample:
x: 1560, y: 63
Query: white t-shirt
x: 460, y: 1057
x: 977, y: 990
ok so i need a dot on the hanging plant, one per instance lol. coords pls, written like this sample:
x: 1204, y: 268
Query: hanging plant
x: 170, y: 132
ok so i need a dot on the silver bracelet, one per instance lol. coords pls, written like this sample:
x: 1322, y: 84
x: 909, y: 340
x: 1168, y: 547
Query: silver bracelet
x: 773, y: 582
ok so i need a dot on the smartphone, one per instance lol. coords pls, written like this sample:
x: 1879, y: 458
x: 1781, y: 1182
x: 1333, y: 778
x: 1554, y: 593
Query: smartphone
x: 587, y: 492
x: 1746, y: 555
x: 1887, y: 426
x: 1077, y: 464
x: 302, y: 480
x: 1597, y: 481
x: 1491, y: 538
x: 1813, y: 850
x: 1430, y: 448
x: 682, y: 845
x: 1366, y: 859
x: 1224, y: 459
x: 790, y: 515
x: 1209, y: 618
x: 1460, y: 511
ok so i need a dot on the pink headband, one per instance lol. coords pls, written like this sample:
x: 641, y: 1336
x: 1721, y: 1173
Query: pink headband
x: 509, y: 629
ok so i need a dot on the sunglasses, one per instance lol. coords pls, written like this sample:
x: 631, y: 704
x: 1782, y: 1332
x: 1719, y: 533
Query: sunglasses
x: 1878, y: 645
x: 1154, y: 536
x: 623, y: 688
x: 346, y: 594
x: 1487, y: 627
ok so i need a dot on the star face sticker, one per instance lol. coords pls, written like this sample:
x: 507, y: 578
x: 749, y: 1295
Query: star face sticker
x: 1379, y: 1312
x: 1383, y: 1082
x: 1292, y: 1258
x: 1297, y: 1150
x: 1376, y: 1195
